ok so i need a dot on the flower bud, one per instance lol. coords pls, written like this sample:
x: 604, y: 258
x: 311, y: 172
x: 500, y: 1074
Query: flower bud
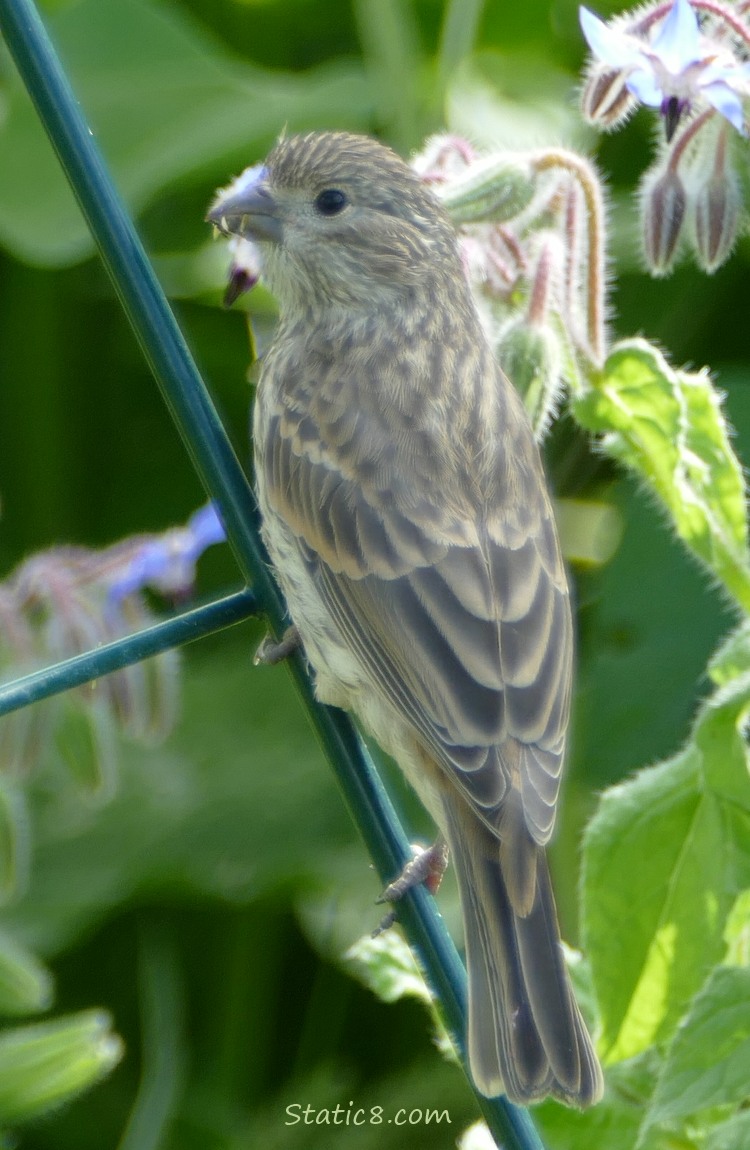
x: 443, y: 157
x: 15, y: 840
x: 43, y: 1065
x: 605, y: 99
x: 590, y: 531
x: 86, y: 740
x: 531, y: 357
x: 664, y: 202
x: 25, y: 985
x: 495, y: 188
x: 716, y: 213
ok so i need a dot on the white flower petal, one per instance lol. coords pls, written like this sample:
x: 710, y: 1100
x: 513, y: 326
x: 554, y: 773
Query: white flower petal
x: 645, y: 87
x: 678, y: 41
x: 616, y: 49
x: 726, y: 101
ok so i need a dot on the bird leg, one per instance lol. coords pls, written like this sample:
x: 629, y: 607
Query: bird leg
x: 270, y: 651
x: 428, y: 866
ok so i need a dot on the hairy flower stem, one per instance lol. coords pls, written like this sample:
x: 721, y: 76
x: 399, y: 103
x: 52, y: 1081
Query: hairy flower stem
x: 557, y: 159
x: 726, y: 14
x: 721, y: 11
x: 685, y: 138
x: 542, y: 286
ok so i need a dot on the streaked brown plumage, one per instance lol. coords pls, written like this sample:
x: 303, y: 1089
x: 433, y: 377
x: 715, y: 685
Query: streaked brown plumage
x: 406, y: 512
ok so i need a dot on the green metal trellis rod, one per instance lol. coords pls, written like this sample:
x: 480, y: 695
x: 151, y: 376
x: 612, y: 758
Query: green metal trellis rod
x: 226, y: 483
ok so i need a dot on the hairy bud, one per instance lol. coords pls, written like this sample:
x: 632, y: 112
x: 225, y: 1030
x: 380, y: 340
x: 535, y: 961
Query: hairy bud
x: 496, y: 188
x: 715, y: 201
x: 605, y: 100
x: 664, y: 202
x: 531, y: 357
x: 716, y: 213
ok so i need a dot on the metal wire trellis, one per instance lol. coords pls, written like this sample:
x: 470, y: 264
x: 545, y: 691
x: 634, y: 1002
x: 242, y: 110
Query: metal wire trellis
x: 223, y: 478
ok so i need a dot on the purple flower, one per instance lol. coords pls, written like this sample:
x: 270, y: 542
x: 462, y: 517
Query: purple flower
x: 244, y: 271
x: 245, y: 268
x: 675, y: 70
x: 166, y: 563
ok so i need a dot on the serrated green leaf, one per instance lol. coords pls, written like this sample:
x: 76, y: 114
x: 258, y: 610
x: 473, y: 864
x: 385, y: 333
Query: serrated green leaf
x: 732, y: 658
x: 164, y: 100
x: 664, y: 859
x: 707, y: 1063
x: 668, y: 427
x: 386, y: 964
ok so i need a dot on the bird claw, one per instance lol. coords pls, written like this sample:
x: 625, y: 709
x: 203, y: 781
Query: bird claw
x: 270, y: 651
x: 428, y: 866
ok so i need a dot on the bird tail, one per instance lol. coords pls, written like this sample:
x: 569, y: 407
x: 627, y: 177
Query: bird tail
x: 526, y: 1036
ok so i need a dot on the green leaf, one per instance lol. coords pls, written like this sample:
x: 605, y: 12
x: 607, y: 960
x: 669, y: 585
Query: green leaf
x: 737, y: 932
x: 664, y: 858
x: 667, y: 426
x: 707, y: 1063
x: 507, y: 99
x: 165, y: 102
x: 614, y: 1122
x: 386, y: 964
x: 731, y: 1135
x: 236, y: 805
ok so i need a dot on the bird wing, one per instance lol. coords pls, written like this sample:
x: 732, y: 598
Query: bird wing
x: 463, y: 625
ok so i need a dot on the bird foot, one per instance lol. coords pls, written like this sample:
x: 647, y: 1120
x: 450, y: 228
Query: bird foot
x: 270, y: 651
x: 428, y: 866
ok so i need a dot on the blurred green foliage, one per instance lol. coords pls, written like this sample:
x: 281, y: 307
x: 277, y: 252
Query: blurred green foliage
x: 207, y: 905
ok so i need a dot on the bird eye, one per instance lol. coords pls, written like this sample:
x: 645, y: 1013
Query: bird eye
x: 331, y: 201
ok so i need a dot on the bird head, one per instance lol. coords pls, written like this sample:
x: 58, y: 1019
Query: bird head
x: 341, y: 220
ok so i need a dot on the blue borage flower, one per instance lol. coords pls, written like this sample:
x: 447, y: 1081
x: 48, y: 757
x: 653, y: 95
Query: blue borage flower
x: 678, y: 68
x: 246, y: 262
x: 692, y: 62
x: 166, y: 563
x: 67, y: 600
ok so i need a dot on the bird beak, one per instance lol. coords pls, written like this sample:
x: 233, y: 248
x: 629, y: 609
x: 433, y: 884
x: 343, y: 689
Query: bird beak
x: 247, y: 208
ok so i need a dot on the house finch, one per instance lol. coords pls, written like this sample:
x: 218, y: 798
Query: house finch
x: 406, y: 513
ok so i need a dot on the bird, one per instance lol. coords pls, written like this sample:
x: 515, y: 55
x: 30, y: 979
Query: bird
x: 406, y: 513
